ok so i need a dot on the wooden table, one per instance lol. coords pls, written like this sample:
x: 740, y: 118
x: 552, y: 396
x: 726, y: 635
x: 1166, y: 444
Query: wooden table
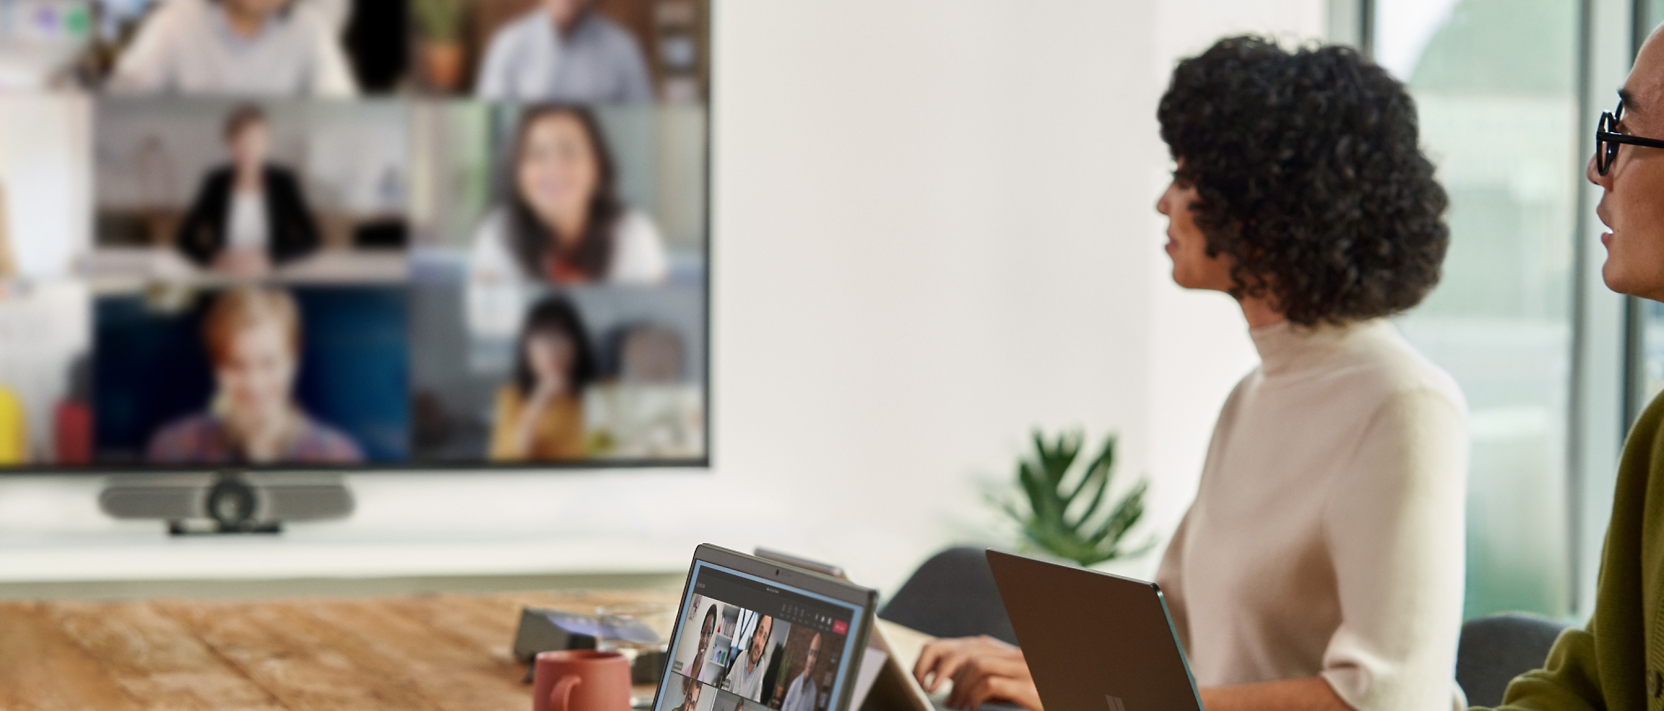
x: 432, y: 652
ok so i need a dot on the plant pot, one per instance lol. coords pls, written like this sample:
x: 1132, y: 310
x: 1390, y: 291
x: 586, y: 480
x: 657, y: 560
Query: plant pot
x: 441, y: 64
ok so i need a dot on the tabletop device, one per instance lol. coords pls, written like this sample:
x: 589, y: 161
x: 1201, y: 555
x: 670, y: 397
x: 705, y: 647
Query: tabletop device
x: 1094, y: 640
x: 752, y: 634
x: 226, y: 295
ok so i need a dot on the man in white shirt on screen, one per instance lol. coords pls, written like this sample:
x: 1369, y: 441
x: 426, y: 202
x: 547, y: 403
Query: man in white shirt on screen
x: 800, y: 696
x: 564, y: 51
x: 245, y: 47
x: 749, y: 683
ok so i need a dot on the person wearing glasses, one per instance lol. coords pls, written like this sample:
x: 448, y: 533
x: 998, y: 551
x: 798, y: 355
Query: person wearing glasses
x: 1616, y: 662
x: 1320, y: 566
x: 690, y: 695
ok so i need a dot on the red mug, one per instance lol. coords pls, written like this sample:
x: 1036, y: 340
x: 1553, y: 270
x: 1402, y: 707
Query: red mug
x: 581, y: 680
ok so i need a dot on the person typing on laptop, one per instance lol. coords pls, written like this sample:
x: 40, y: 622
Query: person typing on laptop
x: 1616, y: 662
x: 1320, y: 566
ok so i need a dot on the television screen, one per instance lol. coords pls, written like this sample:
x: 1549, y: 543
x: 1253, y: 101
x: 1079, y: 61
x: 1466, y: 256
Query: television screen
x: 293, y: 234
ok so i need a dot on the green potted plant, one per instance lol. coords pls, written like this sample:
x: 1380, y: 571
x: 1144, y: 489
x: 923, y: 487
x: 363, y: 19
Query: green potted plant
x: 1067, y: 511
x: 439, y: 27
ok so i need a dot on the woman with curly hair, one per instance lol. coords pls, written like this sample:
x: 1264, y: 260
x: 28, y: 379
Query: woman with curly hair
x: 1321, y: 563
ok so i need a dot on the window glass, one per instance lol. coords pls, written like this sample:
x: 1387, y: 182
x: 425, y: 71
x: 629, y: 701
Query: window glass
x: 1495, y: 85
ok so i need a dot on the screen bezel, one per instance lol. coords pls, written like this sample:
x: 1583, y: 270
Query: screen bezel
x: 863, y: 599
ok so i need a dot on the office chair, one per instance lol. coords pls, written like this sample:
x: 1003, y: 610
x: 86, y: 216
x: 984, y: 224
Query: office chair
x: 952, y: 595
x: 1493, y: 650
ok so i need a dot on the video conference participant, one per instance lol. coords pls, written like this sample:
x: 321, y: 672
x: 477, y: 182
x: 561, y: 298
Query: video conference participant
x: 268, y: 47
x: 540, y: 416
x: 1320, y: 565
x: 802, y: 693
x: 564, y: 51
x: 690, y: 695
x: 250, y: 215
x: 561, y: 220
x: 706, y: 629
x: 252, y: 335
x: 1616, y: 662
x: 748, y: 682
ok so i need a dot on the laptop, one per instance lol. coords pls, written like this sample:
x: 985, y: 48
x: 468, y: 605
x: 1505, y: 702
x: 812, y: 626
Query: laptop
x: 752, y: 634
x: 890, y: 686
x: 1094, y: 640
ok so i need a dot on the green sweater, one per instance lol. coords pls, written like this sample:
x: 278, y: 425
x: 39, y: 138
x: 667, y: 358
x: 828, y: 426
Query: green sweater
x: 1617, y: 662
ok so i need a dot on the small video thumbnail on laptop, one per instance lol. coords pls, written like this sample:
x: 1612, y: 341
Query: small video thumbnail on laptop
x: 746, y: 645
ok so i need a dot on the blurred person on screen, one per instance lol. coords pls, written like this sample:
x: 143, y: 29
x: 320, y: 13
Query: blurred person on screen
x: 645, y: 408
x: 247, y: 47
x: 559, y: 220
x: 563, y: 50
x: 250, y: 215
x: 539, y: 416
x: 253, y: 337
x: 801, y: 695
x: 648, y: 354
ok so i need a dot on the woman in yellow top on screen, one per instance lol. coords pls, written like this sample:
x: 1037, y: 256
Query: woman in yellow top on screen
x: 540, y: 415
x: 560, y: 221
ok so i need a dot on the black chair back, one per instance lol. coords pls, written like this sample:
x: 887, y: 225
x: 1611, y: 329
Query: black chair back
x: 952, y: 595
x: 1496, y: 649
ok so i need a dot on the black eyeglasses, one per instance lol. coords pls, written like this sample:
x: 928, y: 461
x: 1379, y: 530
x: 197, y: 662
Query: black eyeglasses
x: 1607, y: 139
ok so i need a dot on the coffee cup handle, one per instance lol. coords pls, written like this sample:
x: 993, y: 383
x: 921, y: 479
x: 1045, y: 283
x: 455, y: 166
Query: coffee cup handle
x: 560, y: 697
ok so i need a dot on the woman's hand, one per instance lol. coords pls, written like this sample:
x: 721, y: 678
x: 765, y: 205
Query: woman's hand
x: 982, y: 669
x: 544, y: 393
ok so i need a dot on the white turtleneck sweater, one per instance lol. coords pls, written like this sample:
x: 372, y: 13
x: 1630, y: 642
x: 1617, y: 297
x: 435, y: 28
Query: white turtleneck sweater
x: 1327, y: 533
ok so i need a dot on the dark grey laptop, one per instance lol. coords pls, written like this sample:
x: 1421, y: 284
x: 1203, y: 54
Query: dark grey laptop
x: 1094, y: 641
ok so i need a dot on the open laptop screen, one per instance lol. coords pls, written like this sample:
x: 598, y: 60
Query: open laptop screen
x: 746, y: 644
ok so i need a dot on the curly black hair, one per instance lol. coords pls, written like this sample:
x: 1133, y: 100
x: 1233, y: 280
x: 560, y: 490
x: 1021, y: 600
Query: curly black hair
x: 1310, y: 176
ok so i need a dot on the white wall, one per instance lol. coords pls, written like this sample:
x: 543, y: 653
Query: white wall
x: 934, y: 229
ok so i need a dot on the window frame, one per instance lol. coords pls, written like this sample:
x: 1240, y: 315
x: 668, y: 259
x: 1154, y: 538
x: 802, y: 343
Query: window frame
x: 1607, y: 388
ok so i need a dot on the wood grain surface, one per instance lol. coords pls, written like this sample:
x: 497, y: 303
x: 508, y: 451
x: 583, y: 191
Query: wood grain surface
x: 418, y: 653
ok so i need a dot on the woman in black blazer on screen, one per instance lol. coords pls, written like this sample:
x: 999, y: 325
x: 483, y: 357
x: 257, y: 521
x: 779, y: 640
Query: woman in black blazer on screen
x: 251, y: 215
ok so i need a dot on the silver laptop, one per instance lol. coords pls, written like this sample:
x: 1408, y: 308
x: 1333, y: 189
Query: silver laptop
x: 752, y: 635
x: 1094, y: 640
